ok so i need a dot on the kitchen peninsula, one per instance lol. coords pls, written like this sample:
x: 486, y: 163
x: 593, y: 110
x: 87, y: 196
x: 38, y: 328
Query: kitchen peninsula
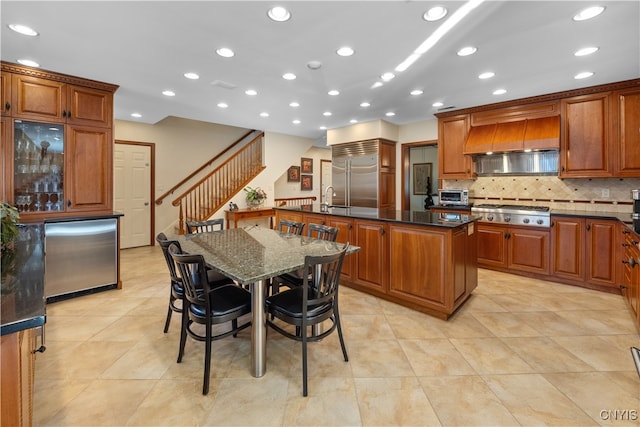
x: 422, y: 260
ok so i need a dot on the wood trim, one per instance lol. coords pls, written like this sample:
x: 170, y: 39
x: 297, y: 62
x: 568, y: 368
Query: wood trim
x: 405, y: 173
x: 152, y: 171
x: 58, y: 77
x: 544, y: 98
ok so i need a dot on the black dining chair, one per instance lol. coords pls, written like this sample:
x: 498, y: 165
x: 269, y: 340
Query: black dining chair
x: 205, y: 226
x: 295, y: 278
x: 310, y: 304
x: 292, y: 227
x: 176, y: 288
x: 207, y: 306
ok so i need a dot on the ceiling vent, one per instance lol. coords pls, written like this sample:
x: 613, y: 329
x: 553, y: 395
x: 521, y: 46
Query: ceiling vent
x: 223, y: 84
x: 448, y: 107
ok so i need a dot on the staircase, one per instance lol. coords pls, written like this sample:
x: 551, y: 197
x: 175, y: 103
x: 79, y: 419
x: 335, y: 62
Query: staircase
x: 213, y: 191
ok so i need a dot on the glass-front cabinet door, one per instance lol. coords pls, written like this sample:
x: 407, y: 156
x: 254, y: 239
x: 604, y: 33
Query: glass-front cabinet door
x: 38, y: 166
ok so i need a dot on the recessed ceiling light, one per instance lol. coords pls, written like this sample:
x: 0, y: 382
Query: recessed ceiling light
x: 294, y: 104
x: 296, y: 122
x: 583, y: 75
x: 586, y: 51
x: 223, y: 105
x: 334, y: 92
x: 314, y: 65
x: 289, y: 76
x: 486, y: 75
x: 264, y: 114
x: 376, y: 85
x: 387, y: 76
x: 365, y: 104
x: 435, y: 13
x: 192, y: 76
x: 588, y: 13
x: 23, y: 29
x: 390, y: 114
x: 345, y: 51
x: 437, y: 104
x: 323, y: 128
x: 136, y: 115
x: 28, y: 62
x: 353, y: 121
x: 225, y: 52
x: 326, y: 113
x: 499, y: 91
x: 279, y: 14
x: 468, y: 50
x: 416, y: 92
x: 251, y: 92
x: 168, y: 93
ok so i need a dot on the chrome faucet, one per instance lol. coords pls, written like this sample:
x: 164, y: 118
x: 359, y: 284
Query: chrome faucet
x: 325, y: 204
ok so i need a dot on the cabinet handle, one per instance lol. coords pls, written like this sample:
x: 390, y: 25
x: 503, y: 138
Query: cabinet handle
x: 588, y: 227
x: 625, y: 232
x: 69, y: 203
x: 350, y: 227
x: 553, y: 223
x: 634, y: 242
x: 625, y: 245
x: 563, y: 169
x: 382, y: 231
x: 632, y: 262
x: 623, y: 287
x: 7, y: 106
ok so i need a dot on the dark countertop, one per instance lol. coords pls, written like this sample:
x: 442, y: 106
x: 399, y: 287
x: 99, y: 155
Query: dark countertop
x: 22, y: 301
x: 625, y: 218
x: 83, y: 218
x: 389, y: 215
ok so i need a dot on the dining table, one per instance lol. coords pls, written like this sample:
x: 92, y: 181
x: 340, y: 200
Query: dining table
x: 251, y: 256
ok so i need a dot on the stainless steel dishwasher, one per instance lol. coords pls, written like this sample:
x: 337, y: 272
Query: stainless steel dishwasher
x: 80, y: 255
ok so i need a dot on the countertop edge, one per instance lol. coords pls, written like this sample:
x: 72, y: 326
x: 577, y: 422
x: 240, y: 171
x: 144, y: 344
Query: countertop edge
x: 23, y: 324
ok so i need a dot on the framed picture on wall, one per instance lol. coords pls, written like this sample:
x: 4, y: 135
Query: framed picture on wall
x: 306, y: 183
x: 293, y: 174
x: 421, y: 177
x: 306, y: 164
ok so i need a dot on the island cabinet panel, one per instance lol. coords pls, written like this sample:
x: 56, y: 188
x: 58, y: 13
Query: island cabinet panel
x: 492, y: 250
x: 528, y: 250
x: 314, y: 219
x: 287, y: 215
x: 418, y: 265
x: 372, y: 261
x: 345, y: 235
x: 584, y: 146
x: 567, y: 239
x: 17, y: 379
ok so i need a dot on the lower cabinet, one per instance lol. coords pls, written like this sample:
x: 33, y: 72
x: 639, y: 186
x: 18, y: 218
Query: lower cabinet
x: 583, y: 251
x: 17, y: 365
x: 345, y: 235
x: 523, y: 249
x: 372, y: 261
x: 629, y: 259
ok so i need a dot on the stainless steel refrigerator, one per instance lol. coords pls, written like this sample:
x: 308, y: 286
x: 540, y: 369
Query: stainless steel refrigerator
x: 354, y: 175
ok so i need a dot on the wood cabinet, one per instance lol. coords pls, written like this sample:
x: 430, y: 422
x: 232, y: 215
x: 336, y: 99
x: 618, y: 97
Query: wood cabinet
x: 345, y: 235
x: 287, y: 215
x: 524, y: 249
x: 585, y: 149
x: 626, y: 105
x: 628, y: 259
x: 5, y: 93
x: 583, y: 251
x: 372, y: 261
x: 452, y: 134
x: 387, y: 175
x: 17, y: 379
x: 57, y: 143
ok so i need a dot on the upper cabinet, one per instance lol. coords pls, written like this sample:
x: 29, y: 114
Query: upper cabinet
x: 57, y: 143
x: 5, y: 93
x: 626, y: 106
x: 452, y: 134
x: 585, y: 151
x: 42, y: 99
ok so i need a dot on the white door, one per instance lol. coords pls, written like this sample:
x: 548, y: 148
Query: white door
x: 132, y: 193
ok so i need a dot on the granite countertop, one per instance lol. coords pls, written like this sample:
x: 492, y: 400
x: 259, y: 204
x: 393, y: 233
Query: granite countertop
x: 389, y: 215
x: 22, y: 301
x: 625, y: 218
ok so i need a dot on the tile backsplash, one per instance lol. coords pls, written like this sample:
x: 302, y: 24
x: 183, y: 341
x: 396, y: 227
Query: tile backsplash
x: 596, y: 194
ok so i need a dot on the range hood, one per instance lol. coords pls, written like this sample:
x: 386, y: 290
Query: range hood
x: 517, y: 163
x: 521, y: 135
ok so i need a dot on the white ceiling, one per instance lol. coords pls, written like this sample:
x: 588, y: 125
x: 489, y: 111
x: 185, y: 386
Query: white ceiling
x: 146, y: 47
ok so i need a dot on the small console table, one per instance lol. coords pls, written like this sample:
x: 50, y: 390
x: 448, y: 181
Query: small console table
x: 241, y: 214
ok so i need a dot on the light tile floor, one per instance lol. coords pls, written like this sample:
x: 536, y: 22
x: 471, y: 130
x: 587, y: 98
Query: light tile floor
x: 520, y: 352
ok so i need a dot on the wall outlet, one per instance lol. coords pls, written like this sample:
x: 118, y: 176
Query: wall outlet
x: 605, y: 193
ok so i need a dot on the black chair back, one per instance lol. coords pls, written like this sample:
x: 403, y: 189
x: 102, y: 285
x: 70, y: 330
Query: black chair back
x: 321, y: 284
x: 205, y: 226
x: 164, y: 243
x: 292, y: 227
x: 193, y: 274
x: 322, y: 232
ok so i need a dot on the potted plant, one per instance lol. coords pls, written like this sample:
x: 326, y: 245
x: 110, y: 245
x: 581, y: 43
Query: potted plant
x: 255, y: 196
x: 9, y: 216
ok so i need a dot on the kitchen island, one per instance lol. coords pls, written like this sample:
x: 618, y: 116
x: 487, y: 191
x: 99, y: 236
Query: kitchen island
x: 422, y: 260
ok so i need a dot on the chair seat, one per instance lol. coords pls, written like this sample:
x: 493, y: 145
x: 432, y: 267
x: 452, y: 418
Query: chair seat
x: 289, y: 303
x: 215, y: 280
x: 226, y: 301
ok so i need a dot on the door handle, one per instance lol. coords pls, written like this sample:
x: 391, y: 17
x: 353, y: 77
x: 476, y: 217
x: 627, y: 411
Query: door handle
x: 146, y: 203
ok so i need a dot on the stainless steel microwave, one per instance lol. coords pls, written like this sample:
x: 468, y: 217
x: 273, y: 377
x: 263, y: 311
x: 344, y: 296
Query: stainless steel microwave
x: 453, y: 197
